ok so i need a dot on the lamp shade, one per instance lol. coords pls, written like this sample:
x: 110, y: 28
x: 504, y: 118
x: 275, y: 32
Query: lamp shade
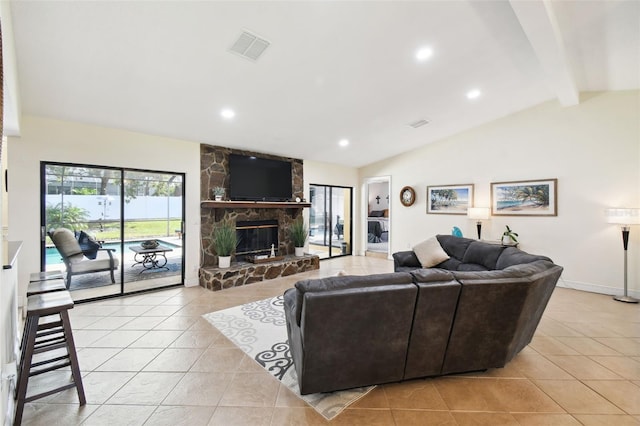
x: 478, y: 213
x: 624, y: 216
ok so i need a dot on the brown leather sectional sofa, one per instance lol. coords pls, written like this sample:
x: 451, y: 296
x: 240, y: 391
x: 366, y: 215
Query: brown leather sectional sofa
x: 353, y: 331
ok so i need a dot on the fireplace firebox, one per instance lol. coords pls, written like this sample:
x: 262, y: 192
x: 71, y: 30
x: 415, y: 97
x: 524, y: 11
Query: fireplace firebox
x: 256, y: 237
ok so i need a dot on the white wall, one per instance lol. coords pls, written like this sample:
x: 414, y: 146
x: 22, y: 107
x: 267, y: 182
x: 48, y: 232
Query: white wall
x: 593, y: 149
x: 51, y: 140
x: 380, y: 189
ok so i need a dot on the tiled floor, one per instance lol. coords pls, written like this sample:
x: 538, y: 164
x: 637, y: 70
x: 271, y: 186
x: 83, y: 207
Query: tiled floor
x: 151, y: 359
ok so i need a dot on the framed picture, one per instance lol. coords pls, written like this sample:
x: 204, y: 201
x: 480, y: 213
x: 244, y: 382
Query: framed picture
x: 525, y: 198
x: 449, y: 199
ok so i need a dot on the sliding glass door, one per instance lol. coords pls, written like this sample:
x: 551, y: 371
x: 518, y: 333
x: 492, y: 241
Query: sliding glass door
x: 127, y: 224
x: 330, y: 220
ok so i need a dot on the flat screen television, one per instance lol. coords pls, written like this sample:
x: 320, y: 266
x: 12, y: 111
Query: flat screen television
x: 259, y: 179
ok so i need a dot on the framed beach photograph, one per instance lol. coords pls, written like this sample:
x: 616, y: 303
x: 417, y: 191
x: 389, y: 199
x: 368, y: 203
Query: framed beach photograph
x: 449, y: 199
x: 525, y: 198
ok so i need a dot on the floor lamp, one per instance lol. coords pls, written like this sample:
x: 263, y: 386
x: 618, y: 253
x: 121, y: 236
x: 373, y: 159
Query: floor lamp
x: 625, y: 218
x: 479, y: 214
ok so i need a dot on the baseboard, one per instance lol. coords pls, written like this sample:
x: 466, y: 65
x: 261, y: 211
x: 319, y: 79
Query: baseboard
x: 191, y: 282
x: 596, y: 288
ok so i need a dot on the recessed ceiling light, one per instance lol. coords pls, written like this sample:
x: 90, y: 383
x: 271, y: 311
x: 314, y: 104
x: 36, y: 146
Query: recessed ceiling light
x: 423, y: 54
x: 343, y: 142
x: 228, y: 113
x: 473, y: 94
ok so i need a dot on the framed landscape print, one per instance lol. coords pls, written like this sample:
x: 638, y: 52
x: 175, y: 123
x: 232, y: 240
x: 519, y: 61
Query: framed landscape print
x: 525, y: 198
x: 449, y: 199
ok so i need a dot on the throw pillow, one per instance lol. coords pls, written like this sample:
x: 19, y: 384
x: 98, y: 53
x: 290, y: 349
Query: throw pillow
x: 88, y: 245
x: 430, y: 252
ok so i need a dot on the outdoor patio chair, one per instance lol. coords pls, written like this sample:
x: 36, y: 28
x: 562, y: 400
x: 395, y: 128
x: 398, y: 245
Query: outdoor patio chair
x: 75, y: 260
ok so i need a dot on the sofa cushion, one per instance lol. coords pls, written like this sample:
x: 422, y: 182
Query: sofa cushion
x: 88, y: 244
x: 451, y: 264
x: 346, y: 282
x: 471, y: 267
x: 483, y: 254
x: 67, y: 244
x: 454, y: 246
x: 513, y: 256
x: 430, y: 253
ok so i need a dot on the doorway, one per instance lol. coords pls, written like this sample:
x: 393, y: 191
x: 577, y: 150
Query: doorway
x: 330, y: 220
x: 378, y: 216
x: 121, y: 211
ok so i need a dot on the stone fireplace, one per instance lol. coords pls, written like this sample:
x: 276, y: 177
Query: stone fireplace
x: 260, y: 225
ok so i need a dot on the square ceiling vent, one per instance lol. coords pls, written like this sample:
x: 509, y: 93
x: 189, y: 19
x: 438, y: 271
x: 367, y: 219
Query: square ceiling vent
x: 249, y: 46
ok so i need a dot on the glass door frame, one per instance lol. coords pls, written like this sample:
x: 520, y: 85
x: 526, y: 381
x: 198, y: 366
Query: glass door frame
x: 122, y: 171
x: 328, y: 209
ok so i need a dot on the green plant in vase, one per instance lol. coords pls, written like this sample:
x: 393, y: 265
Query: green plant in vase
x: 299, y: 234
x: 218, y: 192
x: 225, y: 242
x: 509, y: 237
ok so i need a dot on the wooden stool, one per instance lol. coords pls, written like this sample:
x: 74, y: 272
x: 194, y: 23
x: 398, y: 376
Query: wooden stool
x: 44, y: 276
x: 41, y: 338
x: 47, y: 286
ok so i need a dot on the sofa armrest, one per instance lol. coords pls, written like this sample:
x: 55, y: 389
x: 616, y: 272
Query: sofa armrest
x: 405, y: 259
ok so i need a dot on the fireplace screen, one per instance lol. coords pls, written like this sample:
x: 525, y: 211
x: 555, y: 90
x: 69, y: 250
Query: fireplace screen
x: 256, y: 237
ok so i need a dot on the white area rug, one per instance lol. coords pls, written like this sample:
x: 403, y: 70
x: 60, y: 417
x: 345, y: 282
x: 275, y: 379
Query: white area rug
x: 259, y: 329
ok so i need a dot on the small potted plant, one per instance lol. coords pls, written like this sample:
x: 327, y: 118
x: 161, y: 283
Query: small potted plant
x: 218, y: 192
x: 225, y: 242
x: 509, y: 237
x: 299, y: 234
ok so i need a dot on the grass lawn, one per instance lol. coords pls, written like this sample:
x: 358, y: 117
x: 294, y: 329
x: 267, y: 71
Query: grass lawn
x: 135, y: 230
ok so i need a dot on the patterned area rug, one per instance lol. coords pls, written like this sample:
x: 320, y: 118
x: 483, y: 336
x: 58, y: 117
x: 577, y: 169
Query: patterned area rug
x: 259, y: 329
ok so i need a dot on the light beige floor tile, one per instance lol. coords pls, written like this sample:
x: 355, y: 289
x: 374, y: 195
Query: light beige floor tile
x: 162, y: 311
x: 286, y: 398
x: 121, y: 415
x: 84, y: 338
x: 130, y: 359
x: 131, y: 311
x: 606, y: 420
x: 251, y: 390
x: 98, y: 387
x: 511, y: 395
x: 626, y: 367
x: 177, y: 323
x: 108, y: 323
x: 551, y: 346
x: 536, y: 366
x: 193, y: 310
x: 118, y: 339
x: 591, y: 329
x: 535, y: 419
x: 219, y: 360
x: 422, y: 418
x: 79, y: 322
x: 364, y: 416
x: 194, y: 339
x: 37, y: 414
x: 582, y: 367
x: 414, y: 394
x: 91, y: 358
x: 298, y: 416
x: 186, y: 416
x: 576, y: 398
x: 587, y: 346
x: 174, y: 359
x: 146, y: 389
x: 202, y: 389
x: 488, y: 419
x: 156, y: 339
x: 241, y: 416
x: 142, y: 323
x: 623, y: 394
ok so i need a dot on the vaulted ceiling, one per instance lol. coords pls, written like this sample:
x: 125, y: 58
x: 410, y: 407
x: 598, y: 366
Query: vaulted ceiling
x: 333, y: 70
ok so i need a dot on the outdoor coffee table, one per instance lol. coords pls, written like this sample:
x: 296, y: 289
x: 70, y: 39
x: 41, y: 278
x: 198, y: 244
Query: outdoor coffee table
x: 150, y: 258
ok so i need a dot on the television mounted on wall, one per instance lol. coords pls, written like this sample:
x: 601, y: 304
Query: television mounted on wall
x: 259, y: 179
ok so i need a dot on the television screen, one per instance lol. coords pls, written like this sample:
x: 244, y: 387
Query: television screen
x: 259, y: 179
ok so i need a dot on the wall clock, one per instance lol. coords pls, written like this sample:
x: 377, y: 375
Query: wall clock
x: 407, y: 196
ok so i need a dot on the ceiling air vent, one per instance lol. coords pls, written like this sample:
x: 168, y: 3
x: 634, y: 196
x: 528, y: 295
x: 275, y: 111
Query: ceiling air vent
x: 418, y: 123
x: 249, y: 46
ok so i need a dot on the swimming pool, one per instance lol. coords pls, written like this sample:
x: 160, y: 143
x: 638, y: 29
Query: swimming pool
x: 52, y: 255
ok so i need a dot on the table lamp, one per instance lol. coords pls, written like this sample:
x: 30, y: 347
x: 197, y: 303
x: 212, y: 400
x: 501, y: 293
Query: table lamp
x: 624, y: 217
x: 480, y: 214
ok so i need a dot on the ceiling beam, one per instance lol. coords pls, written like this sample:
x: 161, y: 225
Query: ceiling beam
x: 540, y: 25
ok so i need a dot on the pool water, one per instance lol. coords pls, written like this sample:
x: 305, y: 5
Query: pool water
x: 52, y: 255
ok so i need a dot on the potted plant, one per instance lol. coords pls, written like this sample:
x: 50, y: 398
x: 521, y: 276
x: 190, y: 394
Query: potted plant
x: 299, y: 235
x: 225, y: 242
x: 509, y: 237
x: 218, y: 192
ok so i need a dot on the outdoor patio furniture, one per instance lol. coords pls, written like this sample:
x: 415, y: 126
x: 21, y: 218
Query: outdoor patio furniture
x: 75, y: 260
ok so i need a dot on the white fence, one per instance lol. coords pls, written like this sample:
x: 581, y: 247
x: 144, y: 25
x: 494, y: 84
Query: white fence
x: 107, y: 207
